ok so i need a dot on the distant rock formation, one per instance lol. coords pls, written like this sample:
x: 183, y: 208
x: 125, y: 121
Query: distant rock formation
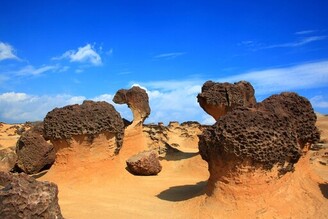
x: 33, y: 152
x: 137, y: 100
x: 144, y: 163
x: 92, y: 127
x: 21, y: 196
x: 174, y: 134
x: 217, y: 99
x: 274, y: 133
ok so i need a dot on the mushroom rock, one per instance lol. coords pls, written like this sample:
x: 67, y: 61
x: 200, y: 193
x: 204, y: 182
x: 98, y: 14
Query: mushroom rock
x: 34, y: 153
x: 217, y: 99
x: 145, y: 163
x: 255, y: 151
x: 21, y: 196
x: 90, y: 131
x: 137, y: 100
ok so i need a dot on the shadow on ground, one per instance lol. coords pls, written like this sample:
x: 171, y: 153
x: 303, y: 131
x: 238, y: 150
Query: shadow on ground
x: 174, y: 154
x: 182, y: 193
x: 324, y: 190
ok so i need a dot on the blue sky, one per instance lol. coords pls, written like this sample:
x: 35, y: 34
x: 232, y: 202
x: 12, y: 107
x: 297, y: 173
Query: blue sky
x: 55, y: 53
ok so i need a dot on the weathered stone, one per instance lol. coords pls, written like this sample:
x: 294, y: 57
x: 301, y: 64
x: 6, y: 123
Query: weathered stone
x: 88, y: 119
x: 275, y: 132
x: 8, y: 159
x: 21, y: 196
x: 34, y: 153
x: 145, y: 163
x: 137, y: 100
x: 217, y: 99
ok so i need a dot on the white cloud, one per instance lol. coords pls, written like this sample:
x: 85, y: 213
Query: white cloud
x: 31, y: 70
x: 319, y: 101
x: 176, y: 100
x: 85, y: 54
x: 304, y: 32
x: 300, y: 42
x: 7, y: 52
x: 303, y: 76
x: 171, y: 55
x: 21, y: 107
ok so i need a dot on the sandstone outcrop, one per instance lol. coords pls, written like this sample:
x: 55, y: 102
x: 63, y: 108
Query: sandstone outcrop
x: 8, y: 159
x: 34, y: 153
x: 175, y: 135
x: 21, y: 196
x: 145, y: 163
x: 95, y: 125
x: 137, y: 100
x: 275, y: 133
x: 217, y: 99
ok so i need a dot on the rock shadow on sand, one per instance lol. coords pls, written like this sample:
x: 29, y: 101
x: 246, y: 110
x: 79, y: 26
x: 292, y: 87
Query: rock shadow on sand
x: 324, y: 189
x: 182, y: 193
x: 174, y: 154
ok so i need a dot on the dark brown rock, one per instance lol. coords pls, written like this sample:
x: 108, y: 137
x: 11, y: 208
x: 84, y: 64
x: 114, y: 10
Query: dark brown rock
x: 34, y: 153
x: 137, y: 100
x: 8, y: 159
x: 217, y: 99
x: 90, y: 118
x: 21, y: 196
x: 275, y: 132
x: 145, y: 163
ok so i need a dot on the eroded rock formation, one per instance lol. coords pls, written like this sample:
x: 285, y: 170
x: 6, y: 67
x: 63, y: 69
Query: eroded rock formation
x: 273, y: 134
x: 219, y: 98
x: 33, y: 152
x: 21, y: 196
x: 175, y: 135
x: 137, y: 100
x: 92, y: 127
x: 8, y: 159
x: 144, y: 163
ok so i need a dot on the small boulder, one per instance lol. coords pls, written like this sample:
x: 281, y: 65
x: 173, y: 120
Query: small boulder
x: 34, y: 153
x: 145, y: 163
x: 21, y: 196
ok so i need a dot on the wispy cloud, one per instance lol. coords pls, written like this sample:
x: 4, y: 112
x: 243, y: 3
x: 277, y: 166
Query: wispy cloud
x: 31, y: 70
x: 304, y: 32
x: 319, y: 101
x: 300, y: 42
x: 7, y: 52
x: 85, y: 54
x: 171, y: 55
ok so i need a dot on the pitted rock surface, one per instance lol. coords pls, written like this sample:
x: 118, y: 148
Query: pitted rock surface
x: 137, y: 100
x: 217, y: 99
x: 90, y: 118
x: 33, y: 152
x: 274, y: 132
x: 21, y: 196
x: 145, y: 163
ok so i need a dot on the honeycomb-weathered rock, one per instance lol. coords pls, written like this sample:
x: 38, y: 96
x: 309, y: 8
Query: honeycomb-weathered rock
x: 21, y: 196
x: 137, y: 100
x: 145, y: 163
x: 90, y: 119
x: 33, y: 152
x: 219, y: 98
x: 275, y: 132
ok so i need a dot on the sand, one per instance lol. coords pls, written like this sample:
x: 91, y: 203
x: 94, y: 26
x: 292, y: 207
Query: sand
x: 105, y: 189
